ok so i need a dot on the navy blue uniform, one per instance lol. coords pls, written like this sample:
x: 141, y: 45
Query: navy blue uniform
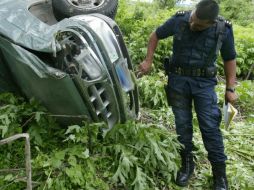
x: 196, y: 50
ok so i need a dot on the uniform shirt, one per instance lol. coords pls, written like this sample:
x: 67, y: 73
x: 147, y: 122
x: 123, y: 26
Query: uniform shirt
x: 177, y: 82
x: 171, y: 26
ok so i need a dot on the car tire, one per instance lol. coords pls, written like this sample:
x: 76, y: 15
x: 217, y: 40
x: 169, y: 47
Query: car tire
x: 67, y: 8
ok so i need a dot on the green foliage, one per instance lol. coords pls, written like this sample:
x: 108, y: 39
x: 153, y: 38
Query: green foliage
x: 244, y: 103
x: 240, y: 162
x: 73, y: 164
x: 230, y: 10
x: 17, y: 116
x: 137, y: 30
x: 244, y: 40
x: 146, y: 155
x: 244, y: 44
x: 166, y: 3
x: 132, y: 155
x: 162, y: 116
x: 151, y: 90
x: 137, y: 22
x: 9, y: 111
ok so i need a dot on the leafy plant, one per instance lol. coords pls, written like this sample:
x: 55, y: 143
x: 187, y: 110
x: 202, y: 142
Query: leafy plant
x: 146, y: 155
x: 230, y: 9
x: 151, y: 89
x: 131, y: 155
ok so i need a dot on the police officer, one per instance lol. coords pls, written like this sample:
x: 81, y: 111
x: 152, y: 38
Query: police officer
x: 198, y: 36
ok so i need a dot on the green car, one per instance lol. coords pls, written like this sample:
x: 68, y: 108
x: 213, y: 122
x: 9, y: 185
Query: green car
x: 78, y: 68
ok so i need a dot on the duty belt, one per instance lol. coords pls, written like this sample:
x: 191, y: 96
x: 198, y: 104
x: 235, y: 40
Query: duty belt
x: 207, y: 72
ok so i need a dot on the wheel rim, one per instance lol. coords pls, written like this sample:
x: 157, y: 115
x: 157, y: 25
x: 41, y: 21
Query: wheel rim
x: 88, y: 4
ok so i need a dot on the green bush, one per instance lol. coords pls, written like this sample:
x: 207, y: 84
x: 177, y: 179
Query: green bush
x: 151, y: 90
x: 133, y: 156
x: 138, y: 21
x: 239, y: 11
x: 244, y: 40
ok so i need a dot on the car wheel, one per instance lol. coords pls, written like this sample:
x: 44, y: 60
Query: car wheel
x: 67, y: 8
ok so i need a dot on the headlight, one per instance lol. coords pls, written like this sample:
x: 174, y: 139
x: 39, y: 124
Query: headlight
x: 89, y: 63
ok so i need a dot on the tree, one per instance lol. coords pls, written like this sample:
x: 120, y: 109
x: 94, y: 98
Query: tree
x: 166, y: 3
x: 240, y: 11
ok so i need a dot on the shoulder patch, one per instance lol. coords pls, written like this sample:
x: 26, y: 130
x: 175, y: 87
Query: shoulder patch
x: 222, y: 19
x: 180, y: 13
x: 228, y: 23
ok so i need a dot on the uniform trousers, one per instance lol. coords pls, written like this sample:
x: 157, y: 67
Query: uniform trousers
x: 186, y: 92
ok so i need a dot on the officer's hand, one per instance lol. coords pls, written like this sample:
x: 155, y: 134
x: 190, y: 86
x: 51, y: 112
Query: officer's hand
x: 143, y: 68
x: 230, y: 97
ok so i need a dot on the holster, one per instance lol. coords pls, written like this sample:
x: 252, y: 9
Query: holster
x: 210, y: 71
x: 166, y: 64
x: 166, y: 88
x: 177, y: 99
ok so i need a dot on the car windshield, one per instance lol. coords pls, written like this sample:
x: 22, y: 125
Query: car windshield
x: 107, y: 36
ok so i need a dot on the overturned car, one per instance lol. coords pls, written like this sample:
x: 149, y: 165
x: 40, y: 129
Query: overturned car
x: 78, y: 68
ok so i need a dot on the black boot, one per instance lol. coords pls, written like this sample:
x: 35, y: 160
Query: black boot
x: 219, y: 176
x: 186, y: 170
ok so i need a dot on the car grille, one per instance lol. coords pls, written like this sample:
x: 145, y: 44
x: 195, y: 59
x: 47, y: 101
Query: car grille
x: 79, y: 61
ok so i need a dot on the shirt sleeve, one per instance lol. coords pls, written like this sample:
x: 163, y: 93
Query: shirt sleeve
x: 167, y: 29
x: 228, y: 51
